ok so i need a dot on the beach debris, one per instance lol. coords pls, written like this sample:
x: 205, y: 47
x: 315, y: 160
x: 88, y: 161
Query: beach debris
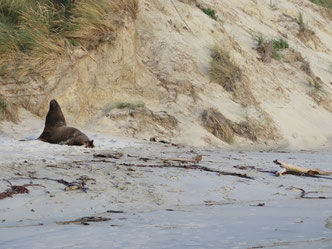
x: 304, y: 193
x: 115, y: 211
x: 195, y: 159
x: 293, y: 169
x: 289, y: 244
x: 243, y: 167
x: 259, y: 205
x: 154, y: 139
x: 114, y: 155
x: 190, y: 166
x: 79, y: 183
x: 84, y: 220
x: 16, y: 189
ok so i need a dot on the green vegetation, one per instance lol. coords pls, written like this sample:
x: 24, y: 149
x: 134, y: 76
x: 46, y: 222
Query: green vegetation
x: 324, y: 3
x: 3, y: 70
x: 34, y: 34
x: 3, y: 105
x: 223, y: 70
x: 270, y: 48
x: 300, y: 20
x: 315, y: 84
x: 279, y: 44
x: 27, y: 25
x: 133, y: 106
x: 273, y: 5
x: 304, y: 28
x: 260, y: 39
x: 210, y: 12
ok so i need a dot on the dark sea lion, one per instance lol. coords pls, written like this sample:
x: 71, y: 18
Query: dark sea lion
x: 57, y: 132
x: 54, y: 119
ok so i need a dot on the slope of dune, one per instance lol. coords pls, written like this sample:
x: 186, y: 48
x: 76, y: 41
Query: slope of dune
x: 154, y: 79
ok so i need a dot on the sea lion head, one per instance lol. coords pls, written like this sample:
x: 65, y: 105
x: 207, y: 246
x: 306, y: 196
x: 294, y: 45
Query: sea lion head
x: 54, y: 104
x: 54, y: 117
x: 90, y: 144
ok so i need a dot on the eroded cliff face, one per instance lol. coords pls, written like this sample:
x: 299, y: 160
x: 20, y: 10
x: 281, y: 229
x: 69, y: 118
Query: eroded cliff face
x: 153, y: 80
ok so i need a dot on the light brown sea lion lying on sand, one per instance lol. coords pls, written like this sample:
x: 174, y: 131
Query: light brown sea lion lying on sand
x: 57, y: 132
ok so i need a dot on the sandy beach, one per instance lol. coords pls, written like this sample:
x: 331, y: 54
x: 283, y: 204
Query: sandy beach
x: 144, y: 197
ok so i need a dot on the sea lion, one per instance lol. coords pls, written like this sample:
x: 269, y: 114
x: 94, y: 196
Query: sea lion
x: 56, y: 130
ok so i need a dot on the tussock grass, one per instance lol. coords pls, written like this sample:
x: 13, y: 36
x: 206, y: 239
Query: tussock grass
x: 223, y: 70
x: 3, y: 103
x: 132, y: 7
x: 218, y: 125
x: 280, y: 44
x: 304, y: 29
x: 3, y: 106
x: 123, y: 105
x: 224, y: 129
x: 270, y: 48
x: 210, y: 12
x: 93, y: 20
x: 36, y: 34
x: 273, y: 5
x: 324, y: 3
x: 315, y: 84
x: 327, y: 5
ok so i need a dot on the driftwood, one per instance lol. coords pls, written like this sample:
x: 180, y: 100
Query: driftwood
x: 293, y: 169
x: 83, y: 221
x: 190, y: 166
x: 195, y: 159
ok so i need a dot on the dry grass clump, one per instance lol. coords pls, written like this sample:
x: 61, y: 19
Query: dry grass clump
x: 8, y: 111
x: 305, y: 33
x: 270, y: 48
x: 223, y: 70
x: 224, y: 129
x: 132, y: 7
x: 324, y: 3
x: 245, y: 129
x: 129, y: 105
x: 3, y: 106
x: 321, y: 98
x: 36, y: 34
x: 218, y: 125
x: 327, y: 5
x: 94, y: 21
x: 266, y: 51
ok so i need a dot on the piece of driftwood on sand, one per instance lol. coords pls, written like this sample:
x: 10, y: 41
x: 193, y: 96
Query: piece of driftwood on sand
x: 293, y: 169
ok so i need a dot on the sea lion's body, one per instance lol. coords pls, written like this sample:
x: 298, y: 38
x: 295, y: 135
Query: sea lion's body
x: 57, y: 132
